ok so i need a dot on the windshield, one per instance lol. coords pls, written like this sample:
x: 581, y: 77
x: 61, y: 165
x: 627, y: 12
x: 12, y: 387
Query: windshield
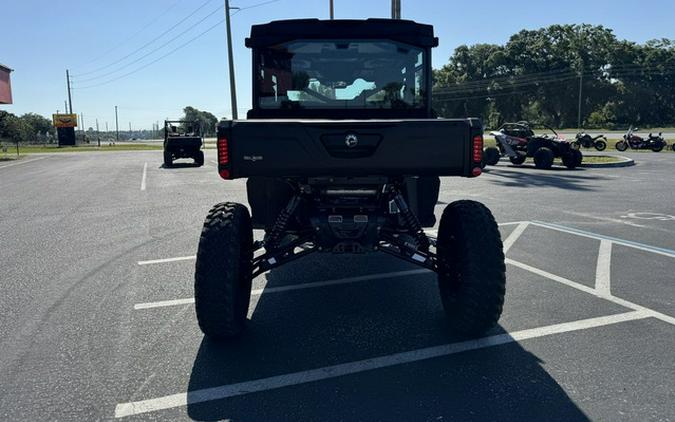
x: 341, y: 74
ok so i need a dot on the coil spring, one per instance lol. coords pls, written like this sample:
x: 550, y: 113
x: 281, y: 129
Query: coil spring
x: 281, y: 223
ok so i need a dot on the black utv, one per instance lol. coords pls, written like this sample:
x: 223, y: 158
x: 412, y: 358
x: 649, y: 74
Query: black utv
x: 183, y: 139
x: 344, y: 155
x: 518, y: 141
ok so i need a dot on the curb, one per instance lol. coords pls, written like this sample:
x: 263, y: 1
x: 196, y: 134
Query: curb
x: 625, y: 162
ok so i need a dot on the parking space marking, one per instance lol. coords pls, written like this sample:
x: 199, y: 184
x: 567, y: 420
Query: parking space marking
x: 592, y: 291
x: 602, y: 269
x: 515, y: 234
x: 267, y: 290
x: 583, y: 233
x: 350, y: 368
x: 163, y: 260
x: 22, y: 162
x: 145, y: 174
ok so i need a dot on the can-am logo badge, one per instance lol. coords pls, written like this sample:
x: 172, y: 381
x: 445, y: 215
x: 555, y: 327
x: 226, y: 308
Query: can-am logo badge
x: 351, y: 140
x: 253, y: 158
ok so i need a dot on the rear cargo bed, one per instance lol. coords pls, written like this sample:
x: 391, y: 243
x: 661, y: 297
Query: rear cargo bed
x: 302, y: 148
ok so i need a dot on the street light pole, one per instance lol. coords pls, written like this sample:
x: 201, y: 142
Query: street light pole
x: 332, y: 15
x: 233, y: 89
x: 70, y: 99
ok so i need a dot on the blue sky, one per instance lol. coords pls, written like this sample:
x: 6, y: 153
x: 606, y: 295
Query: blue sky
x: 41, y: 38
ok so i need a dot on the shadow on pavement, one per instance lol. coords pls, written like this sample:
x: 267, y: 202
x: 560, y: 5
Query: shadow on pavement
x: 558, y: 178
x: 179, y: 165
x: 314, y: 328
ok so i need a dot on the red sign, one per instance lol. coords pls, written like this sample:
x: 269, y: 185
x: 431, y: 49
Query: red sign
x: 5, y: 86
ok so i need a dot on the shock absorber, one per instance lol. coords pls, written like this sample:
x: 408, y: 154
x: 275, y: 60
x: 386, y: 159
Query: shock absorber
x: 275, y: 234
x: 411, y: 222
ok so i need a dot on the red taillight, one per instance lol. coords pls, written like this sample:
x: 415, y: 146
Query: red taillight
x: 476, y: 172
x: 223, y: 158
x: 477, y: 148
x: 223, y: 151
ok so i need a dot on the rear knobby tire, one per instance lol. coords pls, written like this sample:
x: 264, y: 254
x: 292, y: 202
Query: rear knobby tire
x: 491, y: 156
x: 543, y: 158
x: 223, y: 272
x: 168, y: 159
x: 572, y: 159
x: 471, y: 269
x: 199, y: 158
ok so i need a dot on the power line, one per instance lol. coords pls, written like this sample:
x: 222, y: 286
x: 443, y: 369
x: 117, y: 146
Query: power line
x: 132, y: 36
x: 509, y: 91
x: 153, y: 51
x: 149, y: 42
x: 174, y: 49
x: 157, y: 59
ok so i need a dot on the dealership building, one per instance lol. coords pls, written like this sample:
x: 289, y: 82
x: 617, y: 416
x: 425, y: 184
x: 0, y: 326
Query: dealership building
x: 5, y: 85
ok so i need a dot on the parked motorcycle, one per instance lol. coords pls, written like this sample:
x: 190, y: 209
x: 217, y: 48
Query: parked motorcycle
x: 585, y: 140
x: 630, y: 140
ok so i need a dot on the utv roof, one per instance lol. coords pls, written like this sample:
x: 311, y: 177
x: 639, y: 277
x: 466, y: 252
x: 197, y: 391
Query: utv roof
x: 404, y: 31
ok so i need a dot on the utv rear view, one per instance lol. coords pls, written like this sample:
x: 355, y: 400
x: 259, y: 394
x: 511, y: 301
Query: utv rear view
x: 183, y: 139
x: 343, y: 155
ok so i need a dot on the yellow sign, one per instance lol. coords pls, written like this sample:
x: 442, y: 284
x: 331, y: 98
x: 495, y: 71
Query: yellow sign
x: 64, y: 120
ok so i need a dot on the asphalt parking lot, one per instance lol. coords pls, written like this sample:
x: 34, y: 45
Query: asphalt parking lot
x: 98, y: 324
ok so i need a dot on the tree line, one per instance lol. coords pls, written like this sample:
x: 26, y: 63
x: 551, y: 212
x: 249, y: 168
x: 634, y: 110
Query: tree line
x: 561, y: 75
x: 34, y: 128
x: 29, y: 127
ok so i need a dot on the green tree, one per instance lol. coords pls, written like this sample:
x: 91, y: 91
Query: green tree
x: 207, y: 120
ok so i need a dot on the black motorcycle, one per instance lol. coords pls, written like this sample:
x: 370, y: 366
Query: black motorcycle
x: 630, y: 140
x: 585, y: 140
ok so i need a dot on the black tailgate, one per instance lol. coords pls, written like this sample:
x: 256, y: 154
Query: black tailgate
x: 300, y: 148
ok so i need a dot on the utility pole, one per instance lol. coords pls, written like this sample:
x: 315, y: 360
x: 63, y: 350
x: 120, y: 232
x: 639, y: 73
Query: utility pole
x: 70, y: 99
x: 233, y: 89
x: 65, y: 105
x: 396, y: 9
x: 98, y: 134
x: 129, y: 130
x: 117, y: 126
x: 332, y: 15
x: 84, y: 136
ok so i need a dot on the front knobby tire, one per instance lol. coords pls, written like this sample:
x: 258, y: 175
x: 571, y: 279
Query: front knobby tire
x: 471, y: 273
x: 223, y: 272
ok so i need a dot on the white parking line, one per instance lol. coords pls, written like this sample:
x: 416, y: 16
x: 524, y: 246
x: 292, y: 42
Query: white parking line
x: 22, y: 162
x: 515, y: 234
x: 145, y: 174
x: 591, y: 291
x: 318, y: 374
x: 583, y: 233
x: 602, y: 270
x: 163, y: 260
x: 267, y: 290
